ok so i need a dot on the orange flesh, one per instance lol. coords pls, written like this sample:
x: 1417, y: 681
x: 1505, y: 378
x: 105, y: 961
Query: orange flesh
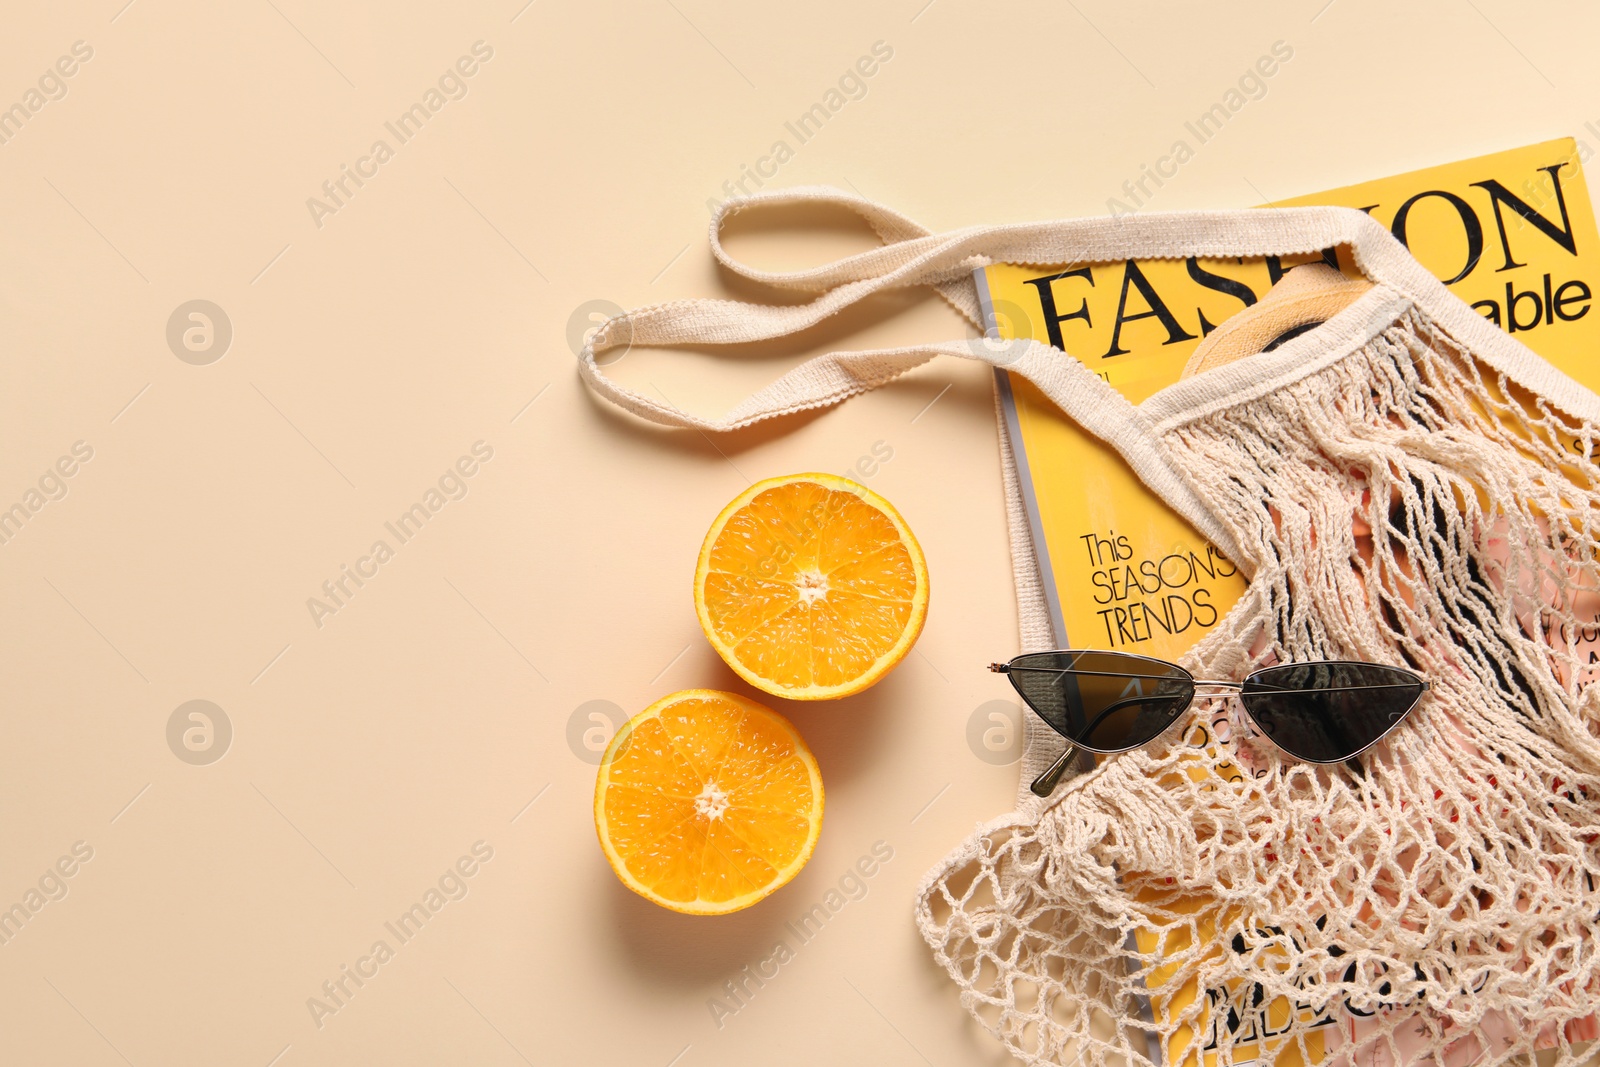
x: 808, y: 586
x: 709, y: 803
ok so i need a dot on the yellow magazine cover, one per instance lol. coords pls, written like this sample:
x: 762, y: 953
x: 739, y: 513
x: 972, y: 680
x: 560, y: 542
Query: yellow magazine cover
x: 1512, y: 233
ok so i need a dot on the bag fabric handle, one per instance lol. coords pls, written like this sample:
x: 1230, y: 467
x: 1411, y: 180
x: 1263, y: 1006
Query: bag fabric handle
x: 912, y: 255
x: 892, y: 228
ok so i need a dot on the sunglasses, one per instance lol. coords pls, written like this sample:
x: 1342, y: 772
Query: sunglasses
x: 1329, y: 711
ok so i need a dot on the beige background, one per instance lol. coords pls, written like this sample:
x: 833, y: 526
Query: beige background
x: 433, y: 710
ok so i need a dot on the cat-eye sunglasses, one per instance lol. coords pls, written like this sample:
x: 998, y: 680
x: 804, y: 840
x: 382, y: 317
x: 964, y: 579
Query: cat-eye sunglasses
x: 1326, y: 711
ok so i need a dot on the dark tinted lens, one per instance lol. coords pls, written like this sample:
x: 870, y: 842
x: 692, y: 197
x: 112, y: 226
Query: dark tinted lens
x: 1102, y: 701
x: 1328, y: 712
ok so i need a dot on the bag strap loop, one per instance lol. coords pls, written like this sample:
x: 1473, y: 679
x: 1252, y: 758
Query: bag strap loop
x: 911, y: 255
x: 895, y: 231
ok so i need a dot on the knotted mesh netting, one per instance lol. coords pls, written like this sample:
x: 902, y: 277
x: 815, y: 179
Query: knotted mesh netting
x: 1208, y: 894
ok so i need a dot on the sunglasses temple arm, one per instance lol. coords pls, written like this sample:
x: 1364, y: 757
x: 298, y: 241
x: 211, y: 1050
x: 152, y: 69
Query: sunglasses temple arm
x: 1046, y: 783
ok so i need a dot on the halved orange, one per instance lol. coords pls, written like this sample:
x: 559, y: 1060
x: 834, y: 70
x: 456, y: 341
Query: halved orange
x: 810, y: 586
x: 707, y: 802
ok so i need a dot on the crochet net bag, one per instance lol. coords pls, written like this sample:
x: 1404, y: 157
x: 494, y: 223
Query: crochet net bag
x: 1406, y: 485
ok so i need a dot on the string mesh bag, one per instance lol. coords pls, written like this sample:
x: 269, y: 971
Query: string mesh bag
x: 1402, y: 485
x: 1439, y: 908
